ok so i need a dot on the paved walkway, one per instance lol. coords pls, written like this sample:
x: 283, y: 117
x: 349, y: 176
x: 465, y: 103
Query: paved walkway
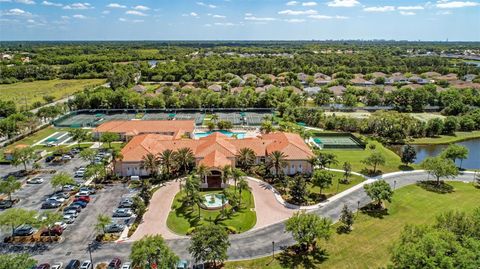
x: 155, y: 219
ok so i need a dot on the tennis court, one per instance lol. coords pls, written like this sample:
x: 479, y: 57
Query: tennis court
x: 77, y: 120
x: 252, y: 118
x: 155, y: 116
x: 234, y: 118
x: 339, y: 141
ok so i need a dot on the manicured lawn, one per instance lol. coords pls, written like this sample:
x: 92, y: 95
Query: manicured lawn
x: 367, y: 246
x: 115, y: 145
x: 354, y: 157
x: 181, y: 219
x: 31, y: 92
x: 447, y: 139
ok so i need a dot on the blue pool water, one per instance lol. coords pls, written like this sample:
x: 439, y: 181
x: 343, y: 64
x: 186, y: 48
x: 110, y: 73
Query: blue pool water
x: 227, y: 133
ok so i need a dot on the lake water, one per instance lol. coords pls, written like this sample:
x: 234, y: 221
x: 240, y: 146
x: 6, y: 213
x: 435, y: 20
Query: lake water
x: 472, y: 162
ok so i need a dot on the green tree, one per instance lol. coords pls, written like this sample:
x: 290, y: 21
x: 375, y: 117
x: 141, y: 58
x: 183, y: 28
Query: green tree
x: 47, y: 220
x: 88, y: 155
x: 277, y: 160
x: 61, y: 179
x: 242, y: 186
x: 347, y: 168
x: 96, y: 171
x: 237, y: 175
x: 246, y: 158
x: 151, y: 251
x: 346, y: 220
x: 9, y: 186
x: 211, y: 125
x: 322, y: 179
x: 102, y: 222
x: 307, y: 229
x: 326, y: 159
x: 375, y: 159
x: 439, y: 167
x: 298, y: 190
x: 109, y: 137
x: 167, y: 161
x: 78, y: 134
x: 209, y: 243
x: 434, y: 127
x: 23, y: 156
x: 185, y: 158
x: 408, y: 154
x: 151, y: 164
x: 20, y: 261
x: 454, y: 152
x: 266, y: 127
x: 379, y: 191
x: 14, y: 217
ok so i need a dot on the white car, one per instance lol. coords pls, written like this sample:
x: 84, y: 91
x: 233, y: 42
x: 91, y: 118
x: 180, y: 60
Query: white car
x: 86, y: 265
x: 127, y: 265
x: 79, y: 174
x: 58, y: 265
x: 82, y: 193
x: 66, y: 158
x: 69, y: 219
x: 68, y: 188
x: 72, y: 213
x: 61, y: 224
x: 35, y: 180
x: 56, y: 199
x: 122, y: 213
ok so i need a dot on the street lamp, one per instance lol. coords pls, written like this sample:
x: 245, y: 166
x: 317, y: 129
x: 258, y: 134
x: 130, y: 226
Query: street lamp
x: 273, y: 249
x: 90, y: 252
x: 394, y: 184
x: 358, y: 206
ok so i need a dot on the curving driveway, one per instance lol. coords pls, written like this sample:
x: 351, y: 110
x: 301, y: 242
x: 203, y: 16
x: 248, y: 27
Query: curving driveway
x: 258, y: 242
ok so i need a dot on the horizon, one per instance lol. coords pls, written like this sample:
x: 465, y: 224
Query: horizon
x: 234, y: 20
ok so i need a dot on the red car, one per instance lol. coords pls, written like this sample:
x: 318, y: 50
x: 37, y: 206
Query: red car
x: 114, y: 264
x: 85, y: 199
x: 54, y: 231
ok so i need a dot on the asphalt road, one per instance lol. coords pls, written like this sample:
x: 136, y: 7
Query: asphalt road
x: 248, y: 245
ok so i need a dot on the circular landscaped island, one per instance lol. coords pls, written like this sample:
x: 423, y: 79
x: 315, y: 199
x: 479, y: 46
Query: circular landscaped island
x: 214, y: 201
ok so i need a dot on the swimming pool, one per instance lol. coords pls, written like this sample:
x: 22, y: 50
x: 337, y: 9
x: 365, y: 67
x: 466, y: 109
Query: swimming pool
x: 239, y: 135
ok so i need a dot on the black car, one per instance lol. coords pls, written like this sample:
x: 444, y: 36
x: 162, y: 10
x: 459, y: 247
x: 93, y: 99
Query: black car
x: 75, y: 207
x: 114, y: 228
x: 23, y: 230
x: 73, y: 264
x: 49, y: 159
x: 51, y: 204
x: 4, y: 204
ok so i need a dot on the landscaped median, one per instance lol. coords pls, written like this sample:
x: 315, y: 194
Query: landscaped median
x: 183, y: 218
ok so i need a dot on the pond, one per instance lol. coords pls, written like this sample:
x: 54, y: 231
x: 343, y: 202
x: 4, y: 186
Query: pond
x: 472, y: 162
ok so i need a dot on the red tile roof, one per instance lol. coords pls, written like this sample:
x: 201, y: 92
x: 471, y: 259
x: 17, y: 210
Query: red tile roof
x: 135, y: 127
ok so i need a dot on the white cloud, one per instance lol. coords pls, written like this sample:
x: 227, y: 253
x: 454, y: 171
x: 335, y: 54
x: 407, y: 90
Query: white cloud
x: 47, y: 3
x: 410, y: 8
x: 224, y: 24
x: 78, y: 6
x: 122, y: 19
x: 135, y: 13
x: 26, y: 2
x: 206, y: 5
x: 295, y: 20
x: 309, y: 4
x: 292, y: 3
x: 444, y: 12
x: 17, y: 12
x: 327, y: 17
x: 248, y: 14
x: 253, y: 18
x: 343, y: 3
x: 79, y: 16
x: 379, y: 9
x: 407, y: 13
x: 106, y: 12
x: 142, y: 8
x: 297, y: 12
x: 193, y: 14
x: 216, y: 16
x: 116, y: 5
x: 456, y: 4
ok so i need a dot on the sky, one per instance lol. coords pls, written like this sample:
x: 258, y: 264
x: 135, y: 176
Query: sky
x: 435, y: 20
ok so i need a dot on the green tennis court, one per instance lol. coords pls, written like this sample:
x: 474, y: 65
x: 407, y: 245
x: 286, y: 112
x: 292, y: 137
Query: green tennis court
x: 345, y: 141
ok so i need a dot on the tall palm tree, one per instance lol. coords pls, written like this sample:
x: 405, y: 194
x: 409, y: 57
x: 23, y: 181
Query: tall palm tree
x: 116, y: 156
x: 242, y: 186
x: 277, y: 160
x: 226, y: 173
x: 167, y: 160
x: 150, y: 163
x: 237, y: 175
x: 246, y: 158
x: 214, y: 118
x: 190, y: 187
x: 184, y: 157
x: 203, y: 172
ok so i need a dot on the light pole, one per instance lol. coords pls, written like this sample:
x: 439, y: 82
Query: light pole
x: 90, y: 253
x: 358, y: 207
x: 394, y: 184
x: 273, y: 249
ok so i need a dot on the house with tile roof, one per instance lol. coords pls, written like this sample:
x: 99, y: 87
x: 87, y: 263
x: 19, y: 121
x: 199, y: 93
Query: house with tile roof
x: 217, y: 151
x: 127, y: 129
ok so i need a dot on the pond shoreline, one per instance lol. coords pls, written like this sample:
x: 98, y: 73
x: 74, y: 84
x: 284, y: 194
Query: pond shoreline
x: 446, y: 139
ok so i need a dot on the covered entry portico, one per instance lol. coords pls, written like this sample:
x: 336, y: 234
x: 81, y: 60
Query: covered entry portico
x: 214, y: 180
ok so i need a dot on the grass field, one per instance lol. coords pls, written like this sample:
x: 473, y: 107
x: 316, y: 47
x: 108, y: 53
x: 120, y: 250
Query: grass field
x: 354, y: 157
x: 447, y: 139
x: 31, y: 92
x: 181, y: 219
x: 367, y: 246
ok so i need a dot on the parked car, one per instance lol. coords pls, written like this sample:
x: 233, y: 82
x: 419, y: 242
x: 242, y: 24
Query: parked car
x: 79, y: 174
x: 69, y: 219
x: 127, y: 265
x: 86, y: 265
x: 62, y: 194
x: 23, y: 230
x: 43, y: 266
x: 51, y: 204
x: 83, y: 204
x: 58, y: 265
x: 82, y: 193
x: 55, y: 199
x: 61, y: 224
x: 56, y: 230
x: 66, y: 157
x: 73, y: 264
x: 89, y: 189
x: 115, y: 264
x: 85, y: 199
x: 114, y: 228
x: 68, y: 188
x: 126, y: 203
x: 75, y: 150
x: 49, y: 159
x: 4, y: 204
x: 35, y: 180
x: 122, y: 213
x: 73, y: 213
x: 76, y: 207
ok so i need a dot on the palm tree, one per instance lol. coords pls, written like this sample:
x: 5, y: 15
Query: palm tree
x: 184, y: 157
x: 150, y: 163
x: 237, y: 174
x: 214, y: 118
x: 242, y: 186
x: 167, y: 160
x: 102, y: 222
x: 313, y: 161
x: 203, y: 171
x: 246, y: 158
x: 277, y: 160
x: 226, y: 173
x: 266, y: 127
x: 116, y: 156
x: 191, y: 187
